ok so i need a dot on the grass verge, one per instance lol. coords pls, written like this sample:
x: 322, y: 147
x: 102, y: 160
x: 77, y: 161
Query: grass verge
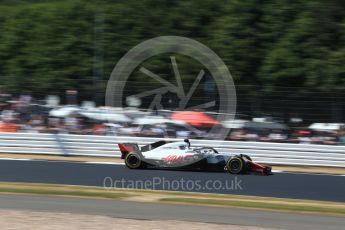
x: 59, y: 190
x: 292, y: 207
x: 239, y: 201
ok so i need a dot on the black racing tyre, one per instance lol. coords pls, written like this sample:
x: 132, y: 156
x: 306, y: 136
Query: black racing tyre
x: 236, y: 165
x: 134, y: 161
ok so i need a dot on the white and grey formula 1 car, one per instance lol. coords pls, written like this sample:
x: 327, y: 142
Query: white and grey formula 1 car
x: 180, y: 155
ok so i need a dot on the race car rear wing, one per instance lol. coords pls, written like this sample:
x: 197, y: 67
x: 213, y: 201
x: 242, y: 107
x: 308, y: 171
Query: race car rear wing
x: 126, y: 148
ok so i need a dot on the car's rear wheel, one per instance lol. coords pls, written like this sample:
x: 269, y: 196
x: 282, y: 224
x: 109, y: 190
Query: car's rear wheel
x: 134, y: 161
x: 235, y: 165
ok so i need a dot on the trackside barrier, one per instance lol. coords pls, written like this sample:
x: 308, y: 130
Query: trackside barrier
x: 106, y: 146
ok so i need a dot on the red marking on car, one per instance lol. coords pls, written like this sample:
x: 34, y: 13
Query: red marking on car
x: 125, y: 148
x: 255, y: 167
x: 177, y: 159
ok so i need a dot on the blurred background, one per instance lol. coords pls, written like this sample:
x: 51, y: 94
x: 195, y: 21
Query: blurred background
x: 286, y: 58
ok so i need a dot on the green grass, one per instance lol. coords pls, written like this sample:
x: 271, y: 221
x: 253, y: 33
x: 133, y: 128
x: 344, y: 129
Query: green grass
x: 178, y: 197
x: 77, y: 192
x: 261, y: 205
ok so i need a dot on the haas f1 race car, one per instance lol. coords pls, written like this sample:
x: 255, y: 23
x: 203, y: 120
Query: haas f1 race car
x: 180, y: 155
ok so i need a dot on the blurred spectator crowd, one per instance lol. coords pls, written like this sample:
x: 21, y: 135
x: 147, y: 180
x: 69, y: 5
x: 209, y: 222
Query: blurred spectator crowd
x: 24, y: 114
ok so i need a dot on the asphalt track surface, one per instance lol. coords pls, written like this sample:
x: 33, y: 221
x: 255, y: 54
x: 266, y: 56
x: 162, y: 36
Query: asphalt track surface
x: 282, y: 185
x: 147, y: 211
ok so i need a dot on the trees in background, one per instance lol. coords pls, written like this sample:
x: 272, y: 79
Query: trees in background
x: 49, y: 46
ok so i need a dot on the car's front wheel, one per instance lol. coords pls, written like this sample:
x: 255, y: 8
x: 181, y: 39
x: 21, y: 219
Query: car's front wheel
x: 134, y: 161
x: 235, y: 165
